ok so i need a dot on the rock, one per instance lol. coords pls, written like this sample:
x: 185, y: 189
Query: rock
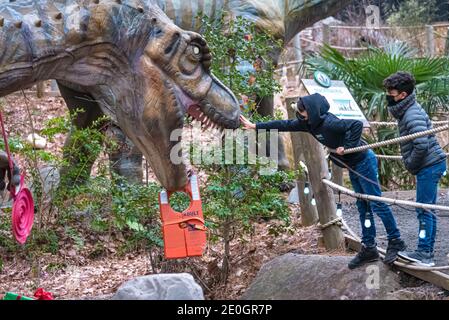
x: 36, y: 141
x: 293, y: 197
x: 50, y: 177
x: 174, y: 286
x: 317, y: 277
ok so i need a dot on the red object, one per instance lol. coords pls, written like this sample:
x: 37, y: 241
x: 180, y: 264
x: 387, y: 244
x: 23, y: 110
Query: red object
x: 23, y: 207
x: 184, y: 232
x: 40, y: 294
x: 22, y: 213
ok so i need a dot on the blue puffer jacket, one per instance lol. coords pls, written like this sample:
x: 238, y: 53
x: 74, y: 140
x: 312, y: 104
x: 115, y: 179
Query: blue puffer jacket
x: 420, y: 152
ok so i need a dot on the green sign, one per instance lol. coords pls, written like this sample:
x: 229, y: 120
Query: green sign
x: 322, y: 79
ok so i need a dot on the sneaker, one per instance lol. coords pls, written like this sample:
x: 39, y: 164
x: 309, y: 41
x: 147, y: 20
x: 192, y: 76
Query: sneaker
x: 394, y: 246
x: 418, y: 256
x: 364, y: 256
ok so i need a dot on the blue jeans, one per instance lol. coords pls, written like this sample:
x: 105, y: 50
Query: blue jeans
x: 426, y: 192
x: 368, y: 168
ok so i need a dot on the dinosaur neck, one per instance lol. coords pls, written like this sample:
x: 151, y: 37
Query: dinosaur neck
x: 300, y: 14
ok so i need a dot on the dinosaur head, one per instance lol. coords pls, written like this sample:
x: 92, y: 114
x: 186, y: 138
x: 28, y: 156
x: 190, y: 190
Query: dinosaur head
x: 178, y: 84
x: 143, y: 70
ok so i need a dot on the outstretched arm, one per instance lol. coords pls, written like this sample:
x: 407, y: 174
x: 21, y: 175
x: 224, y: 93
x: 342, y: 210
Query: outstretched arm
x: 281, y: 125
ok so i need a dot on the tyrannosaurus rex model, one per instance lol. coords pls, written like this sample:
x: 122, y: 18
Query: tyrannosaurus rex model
x: 140, y: 69
x: 283, y: 18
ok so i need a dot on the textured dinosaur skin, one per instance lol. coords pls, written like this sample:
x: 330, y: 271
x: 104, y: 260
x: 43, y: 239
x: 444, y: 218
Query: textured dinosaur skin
x: 140, y: 69
x: 283, y: 18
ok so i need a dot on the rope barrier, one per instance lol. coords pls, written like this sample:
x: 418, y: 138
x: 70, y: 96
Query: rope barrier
x: 383, y: 156
x: 337, y: 221
x: 394, y: 124
x: 368, y: 197
x: 335, y: 47
x: 394, y: 141
x: 394, y: 201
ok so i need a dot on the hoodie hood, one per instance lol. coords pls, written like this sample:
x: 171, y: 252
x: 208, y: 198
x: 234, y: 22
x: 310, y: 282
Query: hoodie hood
x: 317, y: 107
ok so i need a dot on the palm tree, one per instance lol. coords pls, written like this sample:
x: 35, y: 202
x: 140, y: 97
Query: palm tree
x: 364, y: 76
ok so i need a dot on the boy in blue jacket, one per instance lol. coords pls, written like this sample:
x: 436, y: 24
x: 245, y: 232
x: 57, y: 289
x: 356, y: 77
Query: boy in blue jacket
x: 314, y: 117
x: 422, y: 157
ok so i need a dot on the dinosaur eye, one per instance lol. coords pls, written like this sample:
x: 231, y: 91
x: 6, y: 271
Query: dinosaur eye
x: 196, y: 50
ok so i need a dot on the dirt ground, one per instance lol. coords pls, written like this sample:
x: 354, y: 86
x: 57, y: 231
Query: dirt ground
x: 73, y: 273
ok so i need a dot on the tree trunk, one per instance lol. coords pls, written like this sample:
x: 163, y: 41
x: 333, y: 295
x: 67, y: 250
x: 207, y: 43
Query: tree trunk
x: 446, y: 48
x: 324, y: 197
x: 430, y: 41
x: 325, y: 202
x: 326, y: 34
x: 309, y: 214
x: 40, y: 89
x: 337, y: 174
x: 227, y: 249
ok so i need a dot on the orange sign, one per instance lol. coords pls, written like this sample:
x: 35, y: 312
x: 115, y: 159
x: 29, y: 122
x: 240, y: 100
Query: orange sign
x: 184, y: 232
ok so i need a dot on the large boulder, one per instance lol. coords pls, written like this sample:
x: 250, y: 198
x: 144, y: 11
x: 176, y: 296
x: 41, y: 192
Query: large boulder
x: 318, y: 277
x: 174, y: 286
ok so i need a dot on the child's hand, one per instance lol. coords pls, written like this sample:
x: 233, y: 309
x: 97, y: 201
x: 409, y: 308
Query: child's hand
x: 340, y: 151
x: 246, y: 124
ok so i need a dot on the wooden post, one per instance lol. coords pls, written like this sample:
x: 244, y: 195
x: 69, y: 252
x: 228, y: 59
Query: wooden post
x: 325, y: 201
x: 40, y: 89
x: 54, y: 88
x: 430, y: 41
x: 309, y: 214
x: 337, y: 174
x: 446, y: 48
x: 326, y: 34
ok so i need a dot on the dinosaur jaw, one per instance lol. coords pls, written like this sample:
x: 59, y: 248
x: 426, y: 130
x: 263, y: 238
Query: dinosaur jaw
x: 201, y: 111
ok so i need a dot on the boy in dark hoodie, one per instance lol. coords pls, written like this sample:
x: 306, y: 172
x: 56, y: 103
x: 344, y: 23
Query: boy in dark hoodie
x: 314, y: 118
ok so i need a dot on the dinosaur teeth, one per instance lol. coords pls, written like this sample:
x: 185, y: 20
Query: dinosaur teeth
x: 58, y: 15
x: 38, y: 23
x: 2, y: 22
x: 18, y: 24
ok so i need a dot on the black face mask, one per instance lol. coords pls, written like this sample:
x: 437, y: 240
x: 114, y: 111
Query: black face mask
x: 300, y: 116
x: 391, y: 101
